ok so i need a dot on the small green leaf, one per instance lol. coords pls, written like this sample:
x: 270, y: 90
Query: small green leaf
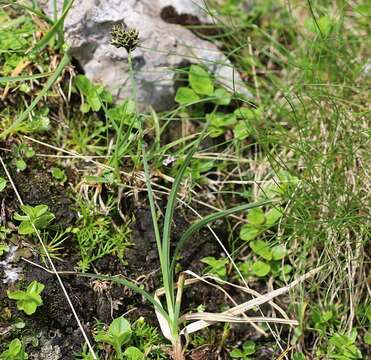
x: 278, y: 252
x: 59, y: 174
x: 26, y: 228
x: 120, y: 330
x: 3, y: 249
x: 122, y: 112
x: 21, y: 164
x: 249, y: 232
x: 273, y: 216
x: 15, y: 346
x: 261, y: 248
x: 217, y: 266
x: 236, y: 354
x: 3, y: 184
x: 324, y: 24
x: 298, y: 356
x: 35, y: 287
x: 286, y: 269
x: 367, y: 338
x: 185, y: 95
x: 241, y: 130
x: 28, y: 300
x: 30, y: 153
x: 221, y: 97
x: 261, y: 268
x: 248, y: 347
x: 133, y: 353
x: 90, y: 91
x: 219, y: 119
x: 256, y: 216
x: 15, y: 351
x: 28, y: 307
x: 200, y: 81
x: 244, y: 113
x: 39, y: 216
x: 85, y: 108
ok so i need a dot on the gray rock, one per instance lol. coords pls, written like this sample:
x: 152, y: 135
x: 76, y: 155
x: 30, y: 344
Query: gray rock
x: 164, y: 47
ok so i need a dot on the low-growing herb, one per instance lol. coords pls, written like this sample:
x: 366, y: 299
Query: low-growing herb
x: 28, y: 300
x: 37, y: 217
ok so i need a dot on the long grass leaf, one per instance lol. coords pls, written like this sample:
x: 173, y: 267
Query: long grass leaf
x: 169, y: 216
x: 65, y: 60
x: 40, y: 45
x: 37, y: 12
x: 10, y: 79
x: 208, y: 219
x: 132, y: 286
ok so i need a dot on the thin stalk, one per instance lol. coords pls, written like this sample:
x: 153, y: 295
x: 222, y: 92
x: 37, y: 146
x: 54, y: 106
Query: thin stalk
x: 164, y: 263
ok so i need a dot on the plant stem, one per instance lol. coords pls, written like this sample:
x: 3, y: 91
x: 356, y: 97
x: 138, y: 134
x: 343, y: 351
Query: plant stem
x: 178, y: 353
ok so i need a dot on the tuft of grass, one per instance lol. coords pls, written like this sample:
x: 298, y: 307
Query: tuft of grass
x: 303, y: 140
x: 306, y: 63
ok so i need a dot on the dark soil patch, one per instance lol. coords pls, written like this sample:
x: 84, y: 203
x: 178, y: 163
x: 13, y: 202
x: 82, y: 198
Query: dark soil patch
x: 54, y: 326
x: 171, y: 16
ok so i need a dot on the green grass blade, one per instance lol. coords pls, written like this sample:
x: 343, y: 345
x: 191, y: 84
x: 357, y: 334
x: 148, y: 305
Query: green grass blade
x: 53, y: 31
x: 37, y: 12
x: 170, y: 212
x: 65, y: 60
x: 132, y: 286
x: 10, y: 79
x: 208, y: 219
x: 152, y: 203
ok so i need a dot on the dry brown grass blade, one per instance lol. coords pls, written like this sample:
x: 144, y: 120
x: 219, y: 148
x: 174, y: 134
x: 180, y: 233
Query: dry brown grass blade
x: 242, y: 308
x: 203, y: 279
x: 18, y: 69
x: 242, y: 288
x: 215, y: 317
x: 164, y: 325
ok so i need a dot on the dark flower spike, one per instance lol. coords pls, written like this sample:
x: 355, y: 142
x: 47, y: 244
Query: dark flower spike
x: 125, y: 37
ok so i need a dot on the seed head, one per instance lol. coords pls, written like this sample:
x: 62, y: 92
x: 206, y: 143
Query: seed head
x: 125, y: 37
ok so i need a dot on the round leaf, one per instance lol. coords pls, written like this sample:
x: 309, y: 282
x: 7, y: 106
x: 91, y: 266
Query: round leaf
x: 221, y: 97
x: 273, y: 216
x: 248, y: 347
x: 200, y: 81
x: 278, y: 252
x: 249, y: 232
x: 120, y: 330
x: 256, y: 216
x: 133, y: 353
x: 185, y: 96
x: 262, y: 249
x: 241, y: 130
x: 261, y: 268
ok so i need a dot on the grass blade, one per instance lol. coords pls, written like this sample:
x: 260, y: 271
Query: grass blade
x: 242, y: 308
x: 208, y: 219
x: 132, y: 286
x: 32, y: 10
x: 170, y: 212
x: 65, y: 60
x: 53, y: 31
x: 10, y: 79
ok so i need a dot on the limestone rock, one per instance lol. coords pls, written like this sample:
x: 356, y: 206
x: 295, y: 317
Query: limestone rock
x: 165, y: 46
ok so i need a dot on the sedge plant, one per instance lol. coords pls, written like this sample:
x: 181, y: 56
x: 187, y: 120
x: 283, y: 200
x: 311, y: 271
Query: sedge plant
x: 169, y: 314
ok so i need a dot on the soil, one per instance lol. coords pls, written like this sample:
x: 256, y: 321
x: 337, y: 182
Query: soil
x: 53, y: 326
